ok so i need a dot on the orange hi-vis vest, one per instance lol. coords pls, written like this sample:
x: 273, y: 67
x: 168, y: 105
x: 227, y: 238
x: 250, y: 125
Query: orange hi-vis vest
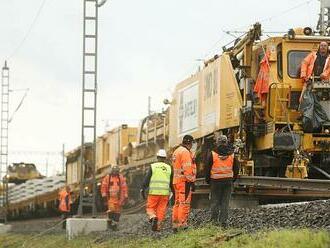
x: 65, y: 201
x: 184, y: 167
x: 114, y: 187
x: 222, y: 166
x: 307, y: 66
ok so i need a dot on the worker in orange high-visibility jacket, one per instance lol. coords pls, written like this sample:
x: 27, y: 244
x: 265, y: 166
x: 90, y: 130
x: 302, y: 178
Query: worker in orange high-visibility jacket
x: 315, y: 64
x: 221, y: 170
x: 114, y: 192
x: 184, y: 169
x: 65, y: 202
x: 158, y: 182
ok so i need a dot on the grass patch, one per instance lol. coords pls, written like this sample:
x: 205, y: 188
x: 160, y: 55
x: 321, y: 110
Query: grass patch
x: 209, y: 236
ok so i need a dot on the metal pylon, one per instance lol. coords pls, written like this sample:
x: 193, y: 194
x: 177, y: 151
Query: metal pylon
x: 324, y: 19
x: 89, y: 102
x: 4, y: 141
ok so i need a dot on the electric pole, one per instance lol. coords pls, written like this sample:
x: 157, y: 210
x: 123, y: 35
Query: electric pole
x: 63, y: 159
x: 324, y: 19
x: 4, y: 140
x: 89, y: 104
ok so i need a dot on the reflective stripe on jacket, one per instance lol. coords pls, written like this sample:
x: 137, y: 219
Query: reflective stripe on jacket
x: 65, y: 201
x: 160, y: 179
x: 222, y: 166
x: 184, y: 167
x: 114, y: 186
x: 307, y: 67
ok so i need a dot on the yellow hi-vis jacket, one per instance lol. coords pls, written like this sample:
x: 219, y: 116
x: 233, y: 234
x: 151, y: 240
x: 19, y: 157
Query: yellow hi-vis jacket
x: 160, y: 179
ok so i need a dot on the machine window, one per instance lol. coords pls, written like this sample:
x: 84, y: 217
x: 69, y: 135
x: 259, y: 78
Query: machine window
x: 294, y: 62
x: 279, y: 61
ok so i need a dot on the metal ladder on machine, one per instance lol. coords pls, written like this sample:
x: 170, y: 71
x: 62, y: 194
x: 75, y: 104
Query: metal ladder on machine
x: 4, y: 141
x: 89, y: 102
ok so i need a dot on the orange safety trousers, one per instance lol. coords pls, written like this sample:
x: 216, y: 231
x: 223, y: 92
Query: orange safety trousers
x: 156, y: 207
x: 181, y: 206
x: 114, y: 205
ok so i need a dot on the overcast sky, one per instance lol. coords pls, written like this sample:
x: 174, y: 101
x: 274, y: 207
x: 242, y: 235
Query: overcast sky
x: 145, y: 48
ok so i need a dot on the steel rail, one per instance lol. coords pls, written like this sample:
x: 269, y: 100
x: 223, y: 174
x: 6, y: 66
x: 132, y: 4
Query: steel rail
x: 287, y: 183
x: 277, y: 182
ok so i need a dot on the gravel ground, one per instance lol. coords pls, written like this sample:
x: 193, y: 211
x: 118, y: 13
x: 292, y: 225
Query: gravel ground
x: 314, y: 214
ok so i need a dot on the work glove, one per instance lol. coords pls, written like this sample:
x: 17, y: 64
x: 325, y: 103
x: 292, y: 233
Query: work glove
x: 193, y: 187
x: 124, y: 201
x: 143, y: 194
x: 190, y: 186
x: 172, y: 199
x: 235, y: 178
x: 105, y: 200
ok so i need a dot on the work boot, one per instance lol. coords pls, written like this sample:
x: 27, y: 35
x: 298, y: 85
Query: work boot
x: 114, y: 227
x: 154, y: 224
x: 109, y: 224
x: 64, y: 224
x: 224, y: 225
x: 185, y: 228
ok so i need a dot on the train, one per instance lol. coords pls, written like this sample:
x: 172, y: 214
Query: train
x: 266, y: 129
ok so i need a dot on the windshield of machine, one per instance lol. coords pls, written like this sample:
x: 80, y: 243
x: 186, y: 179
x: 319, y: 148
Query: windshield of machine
x: 294, y: 62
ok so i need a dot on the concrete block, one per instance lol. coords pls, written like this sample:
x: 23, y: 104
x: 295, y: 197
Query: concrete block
x: 83, y: 226
x: 4, y: 228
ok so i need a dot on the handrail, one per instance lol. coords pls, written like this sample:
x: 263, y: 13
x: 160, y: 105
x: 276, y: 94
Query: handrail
x: 277, y: 97
x: 269, y: 97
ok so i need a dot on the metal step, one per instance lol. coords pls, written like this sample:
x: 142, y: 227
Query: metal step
x: 89, y: 90
x: 90, y: 54
x: 89, y: 108
x: 90, y: 36
x: 89, y: 72
x: 90, y: 18
x: 88, y: 126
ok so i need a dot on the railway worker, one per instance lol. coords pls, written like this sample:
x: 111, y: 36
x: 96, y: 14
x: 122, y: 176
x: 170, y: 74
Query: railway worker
x: 184, y: 176
x: 65, y: 202
x: 158, y: 180
x: 315, y: 64
x: 221, y: 170
x: 115, y: 194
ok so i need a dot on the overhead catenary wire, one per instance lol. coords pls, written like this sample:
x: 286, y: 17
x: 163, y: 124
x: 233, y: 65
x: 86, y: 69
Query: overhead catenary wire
x: 38, y: 153
x: 35, y: 19
x: 222, y: 37
x: 267, y: 19
x: 18, y: 106
x: 286, y: 11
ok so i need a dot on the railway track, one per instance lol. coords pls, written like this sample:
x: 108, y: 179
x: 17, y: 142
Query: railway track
x: 261, y: 189
x: 275, y: 188
x: 135, y: 209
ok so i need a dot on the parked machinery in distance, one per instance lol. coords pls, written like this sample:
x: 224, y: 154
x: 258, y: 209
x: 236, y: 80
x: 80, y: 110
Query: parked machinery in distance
x: 21, y: 172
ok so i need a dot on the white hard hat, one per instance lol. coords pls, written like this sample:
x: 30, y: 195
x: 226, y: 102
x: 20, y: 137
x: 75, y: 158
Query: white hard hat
x: 161, y: 153
x: 222, y: 139
x: 115, y: 169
